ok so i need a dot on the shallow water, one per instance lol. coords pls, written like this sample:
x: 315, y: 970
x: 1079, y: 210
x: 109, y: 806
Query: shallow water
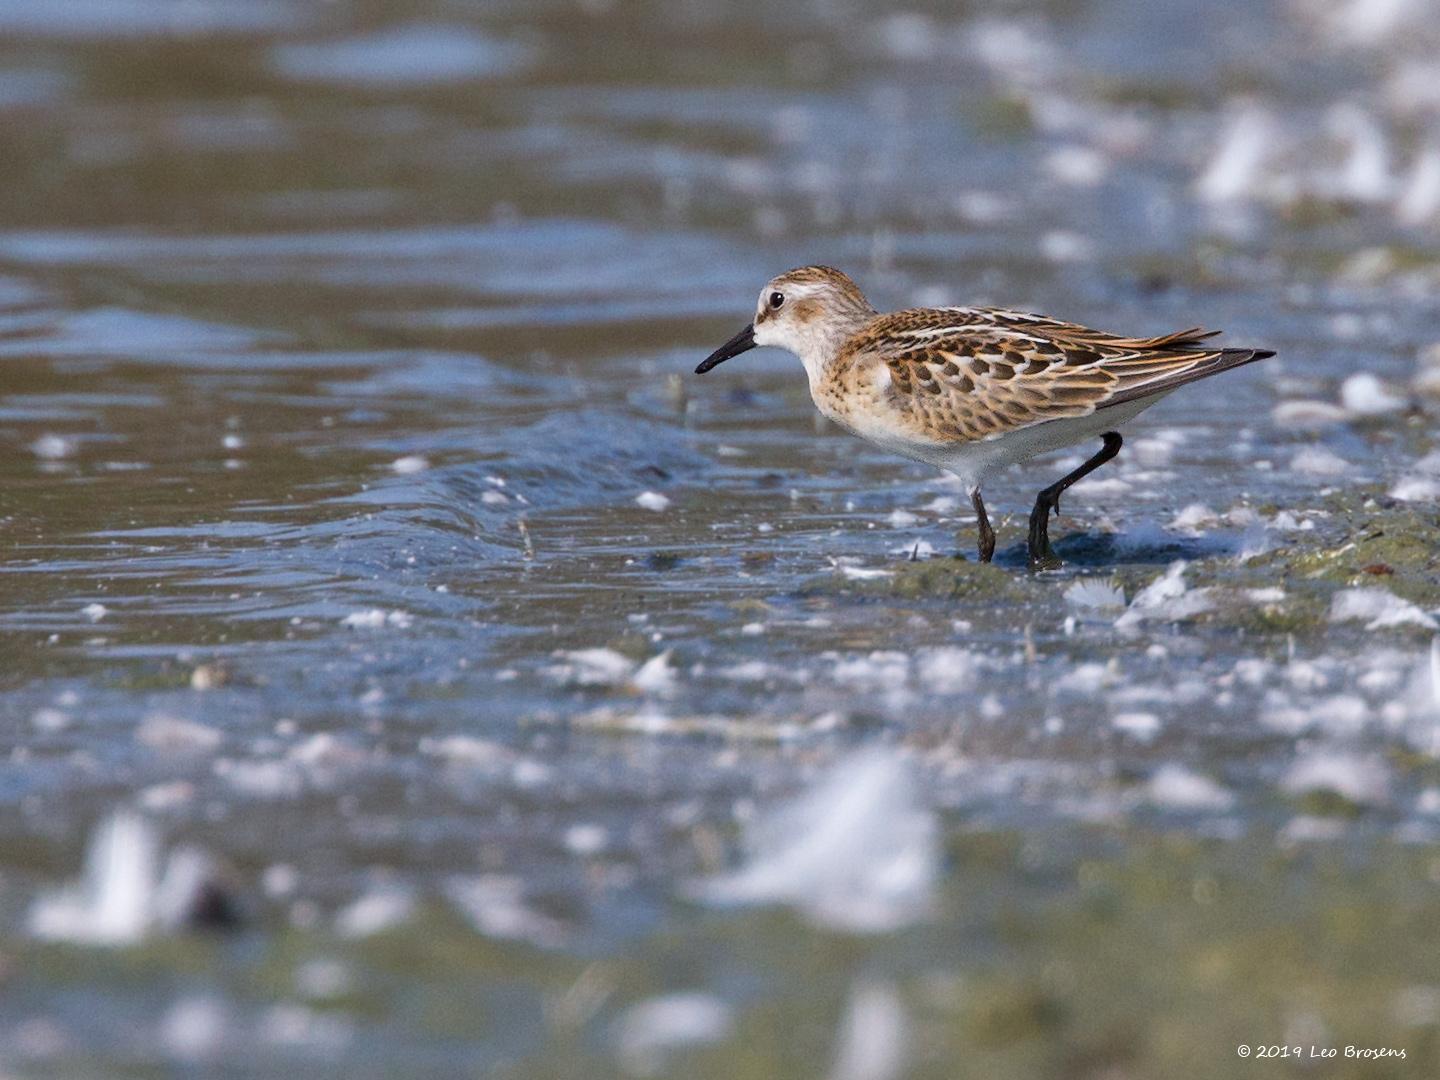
x: 367, y: 531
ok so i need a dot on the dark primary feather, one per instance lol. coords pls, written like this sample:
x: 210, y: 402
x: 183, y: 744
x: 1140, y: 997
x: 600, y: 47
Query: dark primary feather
x: 1224, y: 360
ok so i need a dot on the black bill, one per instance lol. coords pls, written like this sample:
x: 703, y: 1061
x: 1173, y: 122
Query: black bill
x: 744, y: 341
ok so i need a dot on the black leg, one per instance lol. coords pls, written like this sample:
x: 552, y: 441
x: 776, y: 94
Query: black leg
x: 1041, y: 557
x: 987, y: 534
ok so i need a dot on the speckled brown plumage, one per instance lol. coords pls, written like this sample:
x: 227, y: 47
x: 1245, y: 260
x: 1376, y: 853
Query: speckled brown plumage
x: 962, y: 374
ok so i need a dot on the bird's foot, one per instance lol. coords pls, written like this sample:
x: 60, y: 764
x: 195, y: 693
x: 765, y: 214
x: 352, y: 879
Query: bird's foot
x: 986, y: 546
x: 1045, y: 560
x: 1042, y: 555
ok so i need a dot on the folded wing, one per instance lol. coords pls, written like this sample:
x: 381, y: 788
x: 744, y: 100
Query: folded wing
x: 976, y: 373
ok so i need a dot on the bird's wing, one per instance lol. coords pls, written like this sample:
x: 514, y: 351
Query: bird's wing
x: 976, y: 373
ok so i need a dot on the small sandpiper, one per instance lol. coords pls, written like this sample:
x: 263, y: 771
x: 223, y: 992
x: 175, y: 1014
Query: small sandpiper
x: 971, y: 390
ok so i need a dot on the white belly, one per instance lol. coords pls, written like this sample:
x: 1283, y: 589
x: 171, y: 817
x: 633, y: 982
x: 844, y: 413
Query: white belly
x: 973, y: 462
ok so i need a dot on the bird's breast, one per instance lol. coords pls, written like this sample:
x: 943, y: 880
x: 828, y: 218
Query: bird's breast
x: 862, y: 399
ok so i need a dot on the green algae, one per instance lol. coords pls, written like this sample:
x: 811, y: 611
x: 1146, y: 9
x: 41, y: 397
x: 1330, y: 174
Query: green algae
x: 1327, y: 802
x: 1365, y: 540
x: 952, y: 579
x: 1144, y: 93
x: 1002, y: 117
x: 956, y: 579
x: 1361, y: 539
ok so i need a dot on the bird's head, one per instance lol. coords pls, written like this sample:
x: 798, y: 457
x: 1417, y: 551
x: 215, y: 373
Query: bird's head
x: 806, y: 311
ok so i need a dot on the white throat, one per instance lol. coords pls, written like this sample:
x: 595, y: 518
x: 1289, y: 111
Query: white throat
x: 815, y: 343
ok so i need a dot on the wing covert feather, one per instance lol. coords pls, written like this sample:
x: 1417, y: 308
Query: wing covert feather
x: 974, y: 373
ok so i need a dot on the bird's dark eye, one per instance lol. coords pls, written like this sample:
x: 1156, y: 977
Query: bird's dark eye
x: 776, y: 299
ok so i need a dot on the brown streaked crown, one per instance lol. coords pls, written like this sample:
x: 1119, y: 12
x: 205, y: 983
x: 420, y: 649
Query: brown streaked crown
x: 825, y: 293
x: 823, y: 275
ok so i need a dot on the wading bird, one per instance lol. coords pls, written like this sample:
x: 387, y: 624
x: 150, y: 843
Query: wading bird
x: 971, y: 390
